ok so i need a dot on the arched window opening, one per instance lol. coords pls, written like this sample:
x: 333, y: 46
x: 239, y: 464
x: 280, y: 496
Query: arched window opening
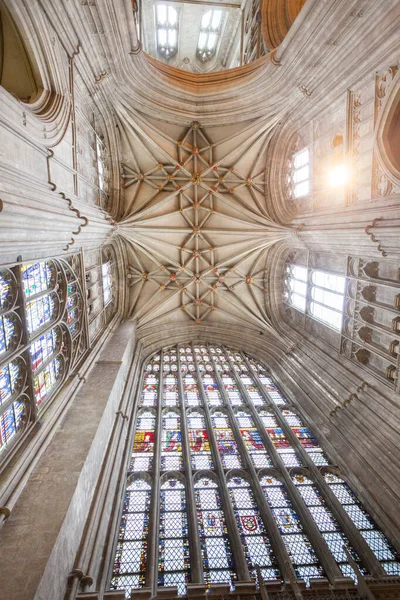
x: 207, y: 440
x: 167, y: 30
x: 210, y: 31
x: 174, y: 561
x: 218, y: 566
x: 256, y: 545
x: 375, y: 539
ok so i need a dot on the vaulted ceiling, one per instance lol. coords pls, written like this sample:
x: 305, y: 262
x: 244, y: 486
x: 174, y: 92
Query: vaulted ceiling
x: 194, y: 221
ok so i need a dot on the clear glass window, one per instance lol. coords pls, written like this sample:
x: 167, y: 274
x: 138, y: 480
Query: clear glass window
x: 167, y: 30
x: 210, y: 30
x: 301, y: 173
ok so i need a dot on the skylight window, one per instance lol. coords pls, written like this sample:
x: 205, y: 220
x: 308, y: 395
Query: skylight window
x: 301, y: 173
x: 167, y: 30
x: 210, y: 30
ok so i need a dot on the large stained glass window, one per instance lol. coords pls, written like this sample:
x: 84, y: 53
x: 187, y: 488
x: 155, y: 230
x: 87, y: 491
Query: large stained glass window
x: 214, y: 429
x: 41, y: 336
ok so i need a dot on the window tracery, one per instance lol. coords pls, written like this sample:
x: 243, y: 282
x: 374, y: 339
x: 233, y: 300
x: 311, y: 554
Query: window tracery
x: 226, y: 428
x: 42, y: 336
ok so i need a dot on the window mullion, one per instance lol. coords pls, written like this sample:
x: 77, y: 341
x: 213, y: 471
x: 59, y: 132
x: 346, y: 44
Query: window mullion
x: 324, y: 306
x: 153, y: 535
x: 271, y: 526
x: 196, y: 570
x: 25, y: 340
x: 233, y: 533
x: 347, y: 525
x: 310, y: 528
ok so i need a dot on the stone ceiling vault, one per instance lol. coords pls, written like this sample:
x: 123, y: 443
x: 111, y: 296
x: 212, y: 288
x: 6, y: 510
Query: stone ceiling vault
x: 194, y: 221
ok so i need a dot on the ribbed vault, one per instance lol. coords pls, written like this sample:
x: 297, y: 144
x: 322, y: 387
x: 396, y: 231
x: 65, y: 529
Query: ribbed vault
x: 194, y: 221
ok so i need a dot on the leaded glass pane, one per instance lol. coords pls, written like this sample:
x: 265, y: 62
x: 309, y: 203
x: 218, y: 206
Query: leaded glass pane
x: 36, y: 278
x: 39, y: 312
x: 46, y: 380
x: 6, y: 332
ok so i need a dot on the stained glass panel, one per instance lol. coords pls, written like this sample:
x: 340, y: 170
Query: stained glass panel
x: 39, y: 312
x: 43, y: 348
x: 8, y: 379
x: 226, y: 443
x: 305, y: 561
x: 170, y: 391
x: 256, y: 545
x: 375, y: 539
x: 173, y: 558
x: 171, y: 442
x: 9, y: 423
x: 143, y: 443
x: 214, y: 542
x: 130, y: 561
x: 46, y: 379
x: 327, y: 524
x: 6, y: 332
x: 199, y: 441
x: 36, y: 278
x: 252, y: 440
x: 4, y: 290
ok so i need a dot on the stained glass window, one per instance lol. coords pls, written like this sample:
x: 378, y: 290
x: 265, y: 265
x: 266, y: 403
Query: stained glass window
x: 37, y: 278
x: 252, y: 440
x: 143, y: 444
x: 4, y: 290
x: 171, y: 441
x: 307, y: 440
x: 174, y: 562
x: 130, y: 561
x: 199, y: 441
x: 226, y: 442
x: 375, y: 539
x: 256, y: 545
x: 43, y: 348
x: 327, y: 524
x: 9, y: 422
x: 214, y: 541
x: 221, y: 408
x: 298, y: 546
x: 6, y: 332
x: 46, y: 379
x: 39, y: 312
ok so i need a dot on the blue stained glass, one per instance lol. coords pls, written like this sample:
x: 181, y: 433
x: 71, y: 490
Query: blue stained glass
x: 4, y: 290
x: 6, y: 333
x: 39, y: 312
x: 36, y: 278
x: 9, y: 422
x: 42, y: 348
x: 8, y: 378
